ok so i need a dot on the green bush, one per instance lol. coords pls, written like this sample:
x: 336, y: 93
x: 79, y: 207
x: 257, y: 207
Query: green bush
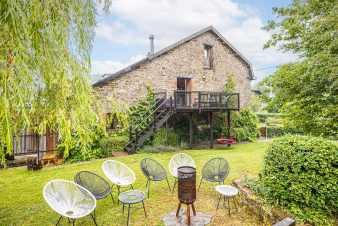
x: 79, y: 152
x: 277, y: 131
x: 159, y: 148
x: 114, y: 142
x: 165, y: 137
x: 301, y: 174
x: 245, y: 126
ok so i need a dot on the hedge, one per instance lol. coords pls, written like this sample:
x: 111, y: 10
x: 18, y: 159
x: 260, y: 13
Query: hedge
x: 277, y: 131
x: 300, y: 173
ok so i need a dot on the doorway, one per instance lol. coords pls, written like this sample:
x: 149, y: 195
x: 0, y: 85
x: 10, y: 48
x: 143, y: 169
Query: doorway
x: 183, y: 91
x: 184, y: 84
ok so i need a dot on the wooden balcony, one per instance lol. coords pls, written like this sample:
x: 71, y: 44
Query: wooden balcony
x: 201, y: 101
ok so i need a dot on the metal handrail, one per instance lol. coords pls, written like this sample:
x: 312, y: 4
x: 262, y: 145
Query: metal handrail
x: 145, y: 120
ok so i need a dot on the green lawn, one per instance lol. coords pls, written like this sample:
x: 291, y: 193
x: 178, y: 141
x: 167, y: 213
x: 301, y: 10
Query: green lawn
x: 21, y: 201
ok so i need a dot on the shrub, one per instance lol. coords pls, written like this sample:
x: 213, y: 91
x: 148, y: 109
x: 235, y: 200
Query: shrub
x: 301, y: 174
x: 114, y: 142
x: 79, y: 152
x: 277, y: 131
x: 159, y: 148
x: 165, y: 137
x: 245, y: 126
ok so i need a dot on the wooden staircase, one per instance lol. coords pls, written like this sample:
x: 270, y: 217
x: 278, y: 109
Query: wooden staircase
x: 138, y: 135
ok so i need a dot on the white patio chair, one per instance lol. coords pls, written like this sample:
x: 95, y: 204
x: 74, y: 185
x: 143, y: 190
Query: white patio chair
x: 69, y: 199
x: 118, y: 173
x: 178, y: 160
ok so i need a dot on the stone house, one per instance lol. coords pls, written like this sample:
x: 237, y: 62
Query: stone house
x: 202, y: 61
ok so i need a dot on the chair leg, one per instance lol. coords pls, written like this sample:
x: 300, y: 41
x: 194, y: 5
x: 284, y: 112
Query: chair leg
x: 219, y: 200
x: 235, y: 203
x: 132, y: 187
x: 148, y: 188
x: 94, y: 218
x: 122, y: 208
x: 112, y: 198
x: 229, y: 206
x: 168, y: 184
x: 174, y: 185
x: 128, y: 218
x: 118, y: 194
x: 57, y: 223
x: 73, y: 222
x: 200, y: 184
x: 145, y: 213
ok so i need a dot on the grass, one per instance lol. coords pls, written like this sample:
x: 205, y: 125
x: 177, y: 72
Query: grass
x: 21, y: 201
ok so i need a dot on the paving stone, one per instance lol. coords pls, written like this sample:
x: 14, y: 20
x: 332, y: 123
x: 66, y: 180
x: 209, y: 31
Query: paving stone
x: 200, y: 219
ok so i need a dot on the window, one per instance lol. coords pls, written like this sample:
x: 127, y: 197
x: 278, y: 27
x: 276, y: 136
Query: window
x: 208, y: 57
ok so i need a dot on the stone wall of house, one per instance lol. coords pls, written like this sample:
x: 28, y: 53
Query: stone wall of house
x: 187, y: 60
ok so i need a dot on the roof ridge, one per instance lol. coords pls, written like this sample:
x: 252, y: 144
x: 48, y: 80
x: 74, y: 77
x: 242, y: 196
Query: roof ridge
x: 168, y: 48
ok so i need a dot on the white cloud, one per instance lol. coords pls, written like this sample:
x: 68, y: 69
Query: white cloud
x: 101, y: 67
x: 171, y: 20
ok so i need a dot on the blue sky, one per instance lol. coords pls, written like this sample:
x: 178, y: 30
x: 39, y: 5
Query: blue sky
x: 122, y: 35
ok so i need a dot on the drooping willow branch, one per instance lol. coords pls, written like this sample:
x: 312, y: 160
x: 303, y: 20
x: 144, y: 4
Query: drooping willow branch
x: 44, y: 70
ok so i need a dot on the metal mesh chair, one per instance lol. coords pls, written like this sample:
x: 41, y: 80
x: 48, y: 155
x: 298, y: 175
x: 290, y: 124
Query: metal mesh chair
x: 118, y: 173
x: 215, y: 170
x: 94, y: 183
x: 69, y: 199
x: 154, y: 171
x: 178, y: 160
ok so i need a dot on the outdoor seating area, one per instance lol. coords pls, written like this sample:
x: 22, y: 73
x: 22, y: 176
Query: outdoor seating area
x: 114, y: 191
x: 73, y: 200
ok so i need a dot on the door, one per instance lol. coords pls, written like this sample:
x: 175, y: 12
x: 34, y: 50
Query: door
x: 183, y: 92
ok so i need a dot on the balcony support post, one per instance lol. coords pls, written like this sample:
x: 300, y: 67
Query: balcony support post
x: 211, y: 135
x: 190, y: 130
x: 229, y: 122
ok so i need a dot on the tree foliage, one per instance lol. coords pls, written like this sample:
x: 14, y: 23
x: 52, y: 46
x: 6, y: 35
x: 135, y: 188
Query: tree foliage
x: 307, y: 90
x: 245, y: 125
x: 44, y: 69
x: 230, y: 86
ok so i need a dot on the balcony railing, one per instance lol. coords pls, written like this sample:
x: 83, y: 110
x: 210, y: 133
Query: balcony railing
x: 206, y: 100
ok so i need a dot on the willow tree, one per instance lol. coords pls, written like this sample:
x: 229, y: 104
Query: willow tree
x: 44, y: 70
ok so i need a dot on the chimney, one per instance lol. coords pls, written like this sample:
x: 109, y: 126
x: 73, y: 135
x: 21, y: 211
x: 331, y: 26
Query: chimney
x: 151, y: 39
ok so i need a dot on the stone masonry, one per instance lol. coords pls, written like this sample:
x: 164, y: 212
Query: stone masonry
x: 186, y: 60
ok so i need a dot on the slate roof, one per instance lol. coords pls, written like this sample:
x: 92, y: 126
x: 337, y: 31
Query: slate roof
x: 109, y: 77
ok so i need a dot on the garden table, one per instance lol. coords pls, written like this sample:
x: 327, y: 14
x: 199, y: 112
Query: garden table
x: 132, y: 197
x: 228, y: 192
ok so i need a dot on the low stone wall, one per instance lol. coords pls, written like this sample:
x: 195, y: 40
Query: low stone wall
x: 267, y: 215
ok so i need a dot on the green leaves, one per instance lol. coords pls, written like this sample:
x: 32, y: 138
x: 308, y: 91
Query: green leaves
x: 140, y: 113
x: 44, y: 67
x: 307, y: 90
x: 301, y: 174
x: 245, y: 126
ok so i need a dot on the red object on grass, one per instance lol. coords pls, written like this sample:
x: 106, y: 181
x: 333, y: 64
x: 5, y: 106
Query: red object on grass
x: 229, y: 141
